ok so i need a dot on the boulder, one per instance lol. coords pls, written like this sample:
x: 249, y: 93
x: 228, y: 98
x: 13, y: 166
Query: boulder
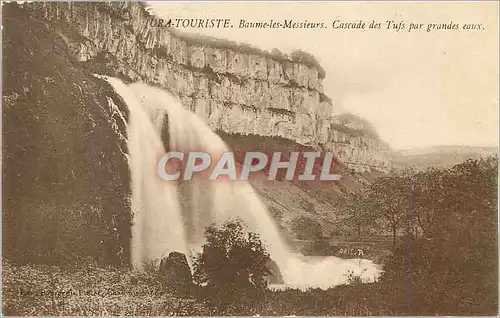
x: 176, y: 272
x: 274, y: 276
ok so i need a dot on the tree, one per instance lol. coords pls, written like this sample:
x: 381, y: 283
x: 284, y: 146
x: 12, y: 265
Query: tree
x: 388, y: 197
x: 306, y: 228
x: 428, y: 201
x: 233, y: 264
x: 359, y: 213
x: 453, y: 266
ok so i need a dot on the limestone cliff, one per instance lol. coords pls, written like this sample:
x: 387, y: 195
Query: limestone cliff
x: 357, y: 144
x: 234, y: 87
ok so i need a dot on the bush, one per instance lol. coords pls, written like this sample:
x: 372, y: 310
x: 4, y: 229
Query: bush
x: 309, y: 60
x: 233, y: 265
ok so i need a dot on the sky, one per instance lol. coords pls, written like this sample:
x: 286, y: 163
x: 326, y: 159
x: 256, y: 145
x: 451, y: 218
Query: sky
x: 419, y: 89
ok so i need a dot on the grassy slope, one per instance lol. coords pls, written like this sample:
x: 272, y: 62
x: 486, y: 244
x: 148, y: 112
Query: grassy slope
x: 89, y: 290
x: 32, y: 290
x: 42, y: 290
x: 287, y: 200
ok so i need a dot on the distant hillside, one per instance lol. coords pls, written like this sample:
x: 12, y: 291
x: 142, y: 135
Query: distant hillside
x: 318, y: 202
x: 439, y: 156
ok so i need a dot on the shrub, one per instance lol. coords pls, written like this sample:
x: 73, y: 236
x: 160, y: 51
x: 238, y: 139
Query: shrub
x: 309, y: 60
x: 232, y: 265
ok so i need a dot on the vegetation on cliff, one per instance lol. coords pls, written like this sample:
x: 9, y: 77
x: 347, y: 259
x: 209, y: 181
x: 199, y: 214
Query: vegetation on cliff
x: 121, y: 11
x: 297, y: 56
x: 344, y: 122
x: 66, y: 179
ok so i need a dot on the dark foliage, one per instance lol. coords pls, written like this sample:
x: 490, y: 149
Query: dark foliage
x: 444, y: 225
x: 233, y: 265
x: 347, y: 118
x: 65, y: 180
x: 309, y: 60
x: 450, y: 253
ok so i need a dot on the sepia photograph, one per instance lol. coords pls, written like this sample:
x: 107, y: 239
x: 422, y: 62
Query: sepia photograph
x: 250, y: 158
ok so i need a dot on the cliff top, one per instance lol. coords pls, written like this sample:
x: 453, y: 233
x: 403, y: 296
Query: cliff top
x: 355, y: 124
x: 297, y: 56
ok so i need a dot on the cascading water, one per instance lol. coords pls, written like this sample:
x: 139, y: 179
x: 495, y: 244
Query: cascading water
x: 170, y: 216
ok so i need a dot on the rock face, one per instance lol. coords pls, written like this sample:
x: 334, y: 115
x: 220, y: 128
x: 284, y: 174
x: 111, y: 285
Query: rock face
x: 234, y: 88
x: 65, y: 172
x: 175, y: 270
x: 356, y: 144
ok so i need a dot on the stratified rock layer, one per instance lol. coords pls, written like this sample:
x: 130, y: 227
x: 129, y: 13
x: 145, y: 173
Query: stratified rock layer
x: 234, y: 88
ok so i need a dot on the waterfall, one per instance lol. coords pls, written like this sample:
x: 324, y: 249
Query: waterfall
x: 172, y: 216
